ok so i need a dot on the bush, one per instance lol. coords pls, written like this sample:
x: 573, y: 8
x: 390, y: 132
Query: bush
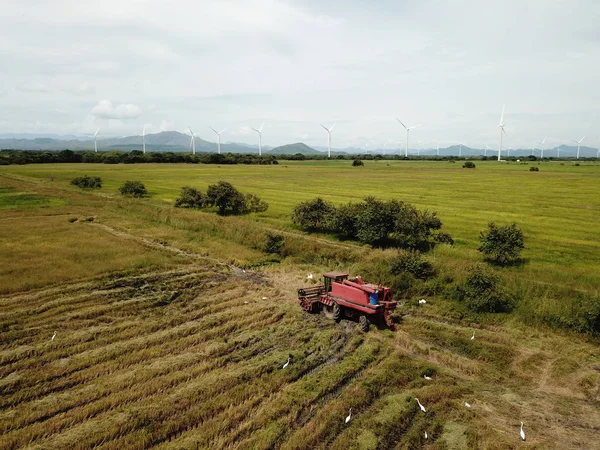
x: 501, y: 244
x: 314, y: 214
x: 534, y: 169
x: 413, y: 263
x: 481, y: 292
x: 190, y: 198
x: 274, y: 243
x: 254, y: 204
x: 469, y: 165
x: 357, y: 163
x: 225, y: 197
x: 86, y: 182
x: 443, y: 238
x: 133, y: 188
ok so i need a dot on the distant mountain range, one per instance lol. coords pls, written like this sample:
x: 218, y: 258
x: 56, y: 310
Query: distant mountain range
x: 174, y: 141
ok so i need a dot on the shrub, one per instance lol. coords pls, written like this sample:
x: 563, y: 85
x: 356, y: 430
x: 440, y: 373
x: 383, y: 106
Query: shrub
x: 313, y: 214
x: 225, y: 197
x: 413, y: 263
x: 357, y: 163
x: 190, y: 198
x: 501, y: 244
x: 133, y: 188
x: 254, y: 204
x: 86, y: 182
x: 469, y: 165
x: 274, y: 243
x: 443, y: 238
x: 481, y: 292
x: 534, y: 169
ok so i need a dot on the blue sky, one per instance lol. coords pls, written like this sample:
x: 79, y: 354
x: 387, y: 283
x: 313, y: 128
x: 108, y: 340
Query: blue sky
x: 74, y: 66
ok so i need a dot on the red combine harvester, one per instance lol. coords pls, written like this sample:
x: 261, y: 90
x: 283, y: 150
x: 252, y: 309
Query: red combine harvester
x: 354, y: 298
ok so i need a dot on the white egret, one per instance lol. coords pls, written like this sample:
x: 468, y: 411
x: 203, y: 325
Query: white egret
x: 426, y: 377
x: 467, y: 405
x: 349, y: 416
x: 420, y: 406
x: 522, y: 432
x: 246, y: 302
x: 309, y: 276
x: 426, y: 435
x: 264, y: 298
x: 473, y: 336
x: 53, y: 336
x: 422, y: 301
x: 286, y: 364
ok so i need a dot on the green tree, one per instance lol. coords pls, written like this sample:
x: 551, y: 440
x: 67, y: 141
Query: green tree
x: 190, y: 198
x: 482, y: 292
x: 501, y: 244
x: 314, y: 215
x: 133, y: 188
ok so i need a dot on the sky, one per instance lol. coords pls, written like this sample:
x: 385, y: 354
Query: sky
x: 72, y: 66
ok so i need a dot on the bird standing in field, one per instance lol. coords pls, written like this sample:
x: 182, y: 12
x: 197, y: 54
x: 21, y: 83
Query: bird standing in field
x: 422, y: 301
x: 53, y: 336
x: 467, y: 405
x: 426, y: 435
x: 309, y: 276
x: 522, y: 432
x: 473, y: 336
x: 426, y: 377
x: 420, y: 406
x: 286, y: 364
x: 349, y: 416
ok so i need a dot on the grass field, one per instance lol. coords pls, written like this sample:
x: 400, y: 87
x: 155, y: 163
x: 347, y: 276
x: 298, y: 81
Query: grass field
x: 163, y: 341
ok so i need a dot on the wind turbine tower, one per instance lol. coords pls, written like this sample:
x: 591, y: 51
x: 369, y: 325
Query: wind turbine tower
x: 192, y: 141
x: 438, y: 150
x: 542, y: 149
x: 219, y: 136
x: 501, y: 126
x: 144, y: 138
x: 95, y: 142
x: 487, y: 147
x: 259, y: 131
x: 329, y: 130
x: 407, y: 134
x: 578, y: 144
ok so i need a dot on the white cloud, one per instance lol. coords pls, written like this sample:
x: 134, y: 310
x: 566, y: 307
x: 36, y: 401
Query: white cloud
x: 166, y: 125
x: 245, y: 130
x: 34, y: 86
x: 105, y: 110
x: 82, y: 89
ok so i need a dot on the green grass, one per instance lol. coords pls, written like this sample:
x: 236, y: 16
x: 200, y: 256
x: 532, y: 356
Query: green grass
x: 161, y: 342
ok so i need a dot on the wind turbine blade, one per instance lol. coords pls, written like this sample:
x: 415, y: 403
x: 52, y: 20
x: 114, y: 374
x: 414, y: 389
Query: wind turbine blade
x: 96, y: 133
x: 502, y: 116
x: 213, y: 130
x: 255, y: 130
x: 414, y: 126
x: 325, y: 128
x: 144, y: 131
x: 191, y: 132
x: 581, y: 140
x: 331, y: 129
x: 191, y: 140
x: 504, y: 131
x: 261, y: 127
x: 544, y: 141
x: 222, y: 131
x: 401, y: 123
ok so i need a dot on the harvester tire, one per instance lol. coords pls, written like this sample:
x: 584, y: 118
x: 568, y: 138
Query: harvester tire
x: 363, y: 323
x: 337, y: 312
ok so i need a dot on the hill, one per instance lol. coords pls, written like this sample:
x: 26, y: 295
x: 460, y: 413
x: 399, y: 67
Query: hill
x: 292, y: 149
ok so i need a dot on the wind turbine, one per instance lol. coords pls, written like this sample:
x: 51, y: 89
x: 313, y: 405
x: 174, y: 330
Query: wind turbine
x: 501, y: 126
x: 407, y: 133
x: 192, y: 141
x: 259, y: 131
x: 95, y: 143
x: 438, y: 150
x: 144, y: 138
x: 542, y: 150
x: 219, y: 136
x: 598, y: 153
x: 329, y: 130
x: 459, y: 149
x: 487, y: 147
x: 578, y: 144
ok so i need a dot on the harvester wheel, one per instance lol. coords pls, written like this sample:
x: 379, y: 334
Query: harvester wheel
x: 363, y: 323
x: 337, y: 312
